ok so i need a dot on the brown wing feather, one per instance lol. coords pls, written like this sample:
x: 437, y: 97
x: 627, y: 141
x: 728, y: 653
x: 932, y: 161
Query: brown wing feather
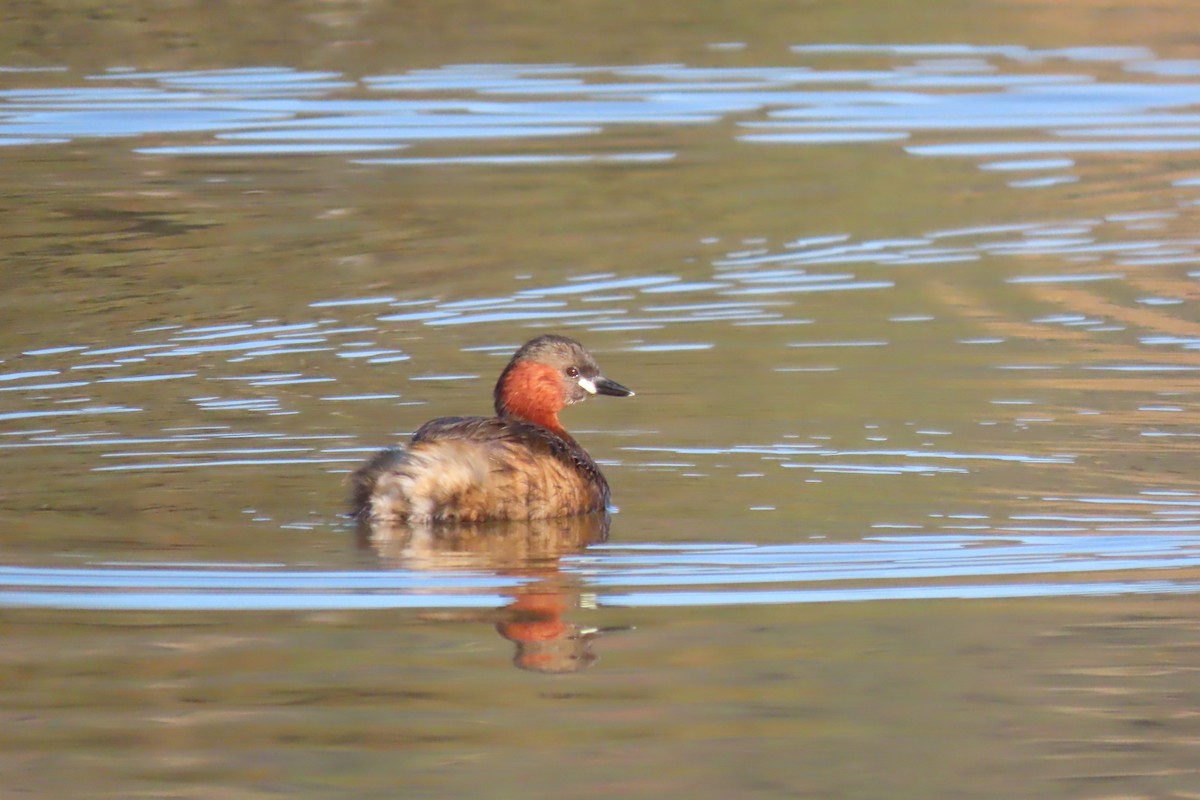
x: 477, y: 468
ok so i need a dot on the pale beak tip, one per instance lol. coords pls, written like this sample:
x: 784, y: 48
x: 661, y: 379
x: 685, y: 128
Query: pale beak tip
x: 603, y: 385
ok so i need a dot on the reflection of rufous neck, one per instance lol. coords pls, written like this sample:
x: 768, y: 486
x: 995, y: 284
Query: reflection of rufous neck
x: 535, y: 617
x: 545, y: 642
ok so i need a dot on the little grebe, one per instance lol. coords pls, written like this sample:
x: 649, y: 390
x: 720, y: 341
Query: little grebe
x: 519, y: 464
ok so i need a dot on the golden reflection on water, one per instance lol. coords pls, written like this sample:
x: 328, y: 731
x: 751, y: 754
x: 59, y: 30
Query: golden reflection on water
x: 530, y: 549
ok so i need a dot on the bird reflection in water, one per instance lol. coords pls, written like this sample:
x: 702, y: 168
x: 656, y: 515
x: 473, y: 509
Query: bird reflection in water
x: 529, y: 549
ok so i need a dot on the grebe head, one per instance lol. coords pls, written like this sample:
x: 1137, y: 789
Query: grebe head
x: 548, y: 374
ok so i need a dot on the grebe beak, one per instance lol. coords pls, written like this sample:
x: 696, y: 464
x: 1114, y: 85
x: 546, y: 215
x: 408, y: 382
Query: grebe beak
x: 605, y: 386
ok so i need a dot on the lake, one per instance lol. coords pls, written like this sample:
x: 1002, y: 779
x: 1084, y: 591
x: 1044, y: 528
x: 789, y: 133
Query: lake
x: 907, y: 498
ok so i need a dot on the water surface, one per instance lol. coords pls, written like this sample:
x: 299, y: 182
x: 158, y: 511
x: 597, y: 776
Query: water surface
x: 906, y: 497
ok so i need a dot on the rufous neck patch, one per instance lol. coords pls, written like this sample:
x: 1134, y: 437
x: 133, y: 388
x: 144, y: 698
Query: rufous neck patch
x: 533, y: 392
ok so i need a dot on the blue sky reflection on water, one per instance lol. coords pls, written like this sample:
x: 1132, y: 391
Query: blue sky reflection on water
x: 1079, y: 102
x: 909, y: 567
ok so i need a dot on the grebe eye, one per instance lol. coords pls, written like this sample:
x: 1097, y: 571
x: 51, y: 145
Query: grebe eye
x: 572, y: 372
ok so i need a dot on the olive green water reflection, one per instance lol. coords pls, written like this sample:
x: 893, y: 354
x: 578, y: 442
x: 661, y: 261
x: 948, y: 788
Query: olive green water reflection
x: 906, y: 290
x: 1014, y: 699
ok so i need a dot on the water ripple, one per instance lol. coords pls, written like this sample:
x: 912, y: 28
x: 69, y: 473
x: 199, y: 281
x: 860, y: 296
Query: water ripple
x: 262, y: 368
x: 1062, y: 101
x: 877, y: 568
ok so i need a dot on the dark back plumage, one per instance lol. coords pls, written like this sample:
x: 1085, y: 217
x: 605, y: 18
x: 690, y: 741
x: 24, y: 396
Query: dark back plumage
x: 535, y: 437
